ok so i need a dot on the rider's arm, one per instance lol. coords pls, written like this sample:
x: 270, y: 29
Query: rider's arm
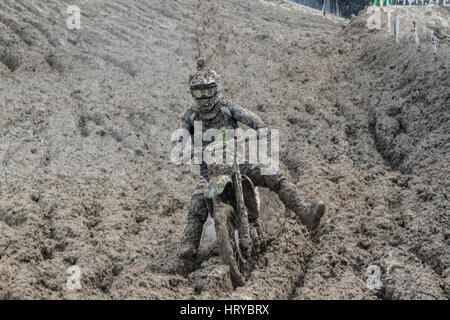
x: 246, y: 117
x: 186, y: 122
x: 184, y: 130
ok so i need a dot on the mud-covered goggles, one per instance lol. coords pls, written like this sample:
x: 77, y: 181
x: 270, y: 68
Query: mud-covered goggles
x: 204, y: 93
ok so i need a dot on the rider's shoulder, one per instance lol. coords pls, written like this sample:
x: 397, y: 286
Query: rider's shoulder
x: 226, y: 103
x: 190, y: 114
x: 227, y: 107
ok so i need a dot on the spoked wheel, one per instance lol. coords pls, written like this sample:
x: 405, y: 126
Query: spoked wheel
x: 229, y: 244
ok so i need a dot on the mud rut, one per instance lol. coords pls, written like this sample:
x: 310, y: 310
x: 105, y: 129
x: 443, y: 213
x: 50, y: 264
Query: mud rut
x: 87, y: 115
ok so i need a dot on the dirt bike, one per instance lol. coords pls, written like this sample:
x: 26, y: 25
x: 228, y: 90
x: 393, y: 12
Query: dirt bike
x: 234, y: 204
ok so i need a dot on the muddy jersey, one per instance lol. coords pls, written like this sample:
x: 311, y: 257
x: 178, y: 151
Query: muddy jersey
x: 228, y: 117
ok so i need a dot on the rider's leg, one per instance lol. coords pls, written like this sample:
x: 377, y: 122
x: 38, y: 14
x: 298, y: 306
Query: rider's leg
x: 197, y: 215
x: 310, y: 215
x: 288, y: 194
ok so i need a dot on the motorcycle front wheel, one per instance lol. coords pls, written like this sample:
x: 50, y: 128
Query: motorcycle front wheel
x: 229, y: 244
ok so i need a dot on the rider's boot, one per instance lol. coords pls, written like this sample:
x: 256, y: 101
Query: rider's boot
x: 191, y: 240
x: 309, y: 215
x: 197, y: 215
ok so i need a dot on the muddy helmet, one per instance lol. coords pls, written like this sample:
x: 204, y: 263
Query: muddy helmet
x: 205, y: 87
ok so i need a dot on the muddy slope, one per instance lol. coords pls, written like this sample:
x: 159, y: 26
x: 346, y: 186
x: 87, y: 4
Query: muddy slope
x: 86, y: 117
x: 393, y: 110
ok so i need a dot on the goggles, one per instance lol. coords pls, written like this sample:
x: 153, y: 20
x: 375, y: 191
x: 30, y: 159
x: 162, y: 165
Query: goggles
x: 204, y: 93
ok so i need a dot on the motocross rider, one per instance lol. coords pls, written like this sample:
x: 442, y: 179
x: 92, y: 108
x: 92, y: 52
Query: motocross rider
x: 215, y: 112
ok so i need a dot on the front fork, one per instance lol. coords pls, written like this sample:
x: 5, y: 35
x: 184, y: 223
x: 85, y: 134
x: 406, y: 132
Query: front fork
x: 242, y: 214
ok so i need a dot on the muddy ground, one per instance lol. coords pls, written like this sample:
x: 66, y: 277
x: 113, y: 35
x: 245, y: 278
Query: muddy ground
x: 85, y: 123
